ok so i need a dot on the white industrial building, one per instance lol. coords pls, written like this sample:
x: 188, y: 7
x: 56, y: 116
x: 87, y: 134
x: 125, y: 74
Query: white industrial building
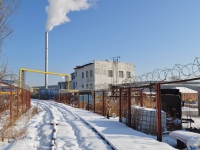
x: 100, y: 74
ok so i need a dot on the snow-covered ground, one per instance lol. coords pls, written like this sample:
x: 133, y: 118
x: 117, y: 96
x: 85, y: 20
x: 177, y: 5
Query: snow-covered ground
x: 80, y: 129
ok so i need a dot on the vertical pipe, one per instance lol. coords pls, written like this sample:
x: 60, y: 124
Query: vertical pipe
x: 158, y: 113
x: 120, y: 105
x: 94, y: 101
x: 11, y: 103
x: 129, y: 107
x: 46, y: 60
x: 103, y: 103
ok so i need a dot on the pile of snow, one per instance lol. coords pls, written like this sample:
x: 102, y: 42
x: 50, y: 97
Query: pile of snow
x: 191, y: 139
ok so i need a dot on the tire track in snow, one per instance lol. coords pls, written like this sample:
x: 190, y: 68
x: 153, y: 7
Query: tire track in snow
x: 66, y: 138
x: 76, y: 122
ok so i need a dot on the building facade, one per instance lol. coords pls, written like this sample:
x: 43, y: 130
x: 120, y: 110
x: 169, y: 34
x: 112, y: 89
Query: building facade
x: 100, y: 74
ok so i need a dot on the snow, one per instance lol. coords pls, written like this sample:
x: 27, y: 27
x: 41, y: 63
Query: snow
x: 184, y: 136
x: 185, y: 90
x: 189, y: 109
x: 191, y: 139
x: 79, y: 129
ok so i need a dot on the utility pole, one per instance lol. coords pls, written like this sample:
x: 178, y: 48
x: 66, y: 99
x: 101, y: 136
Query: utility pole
x: 115, y: 69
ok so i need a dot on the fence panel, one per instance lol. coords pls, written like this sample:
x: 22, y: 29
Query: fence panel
x: 14, y: 102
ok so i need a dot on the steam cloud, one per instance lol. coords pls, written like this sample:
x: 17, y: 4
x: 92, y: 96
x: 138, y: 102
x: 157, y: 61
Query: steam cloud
x: 58, y: 9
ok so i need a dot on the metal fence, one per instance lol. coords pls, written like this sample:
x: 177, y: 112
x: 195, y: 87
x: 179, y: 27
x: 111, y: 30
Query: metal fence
x: 14, y: 102
x: 156, y: 108
x: 157, y: 103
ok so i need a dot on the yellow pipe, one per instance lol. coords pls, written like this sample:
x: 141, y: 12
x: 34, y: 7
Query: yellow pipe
x: 7, y: 93
x: 42, y: 72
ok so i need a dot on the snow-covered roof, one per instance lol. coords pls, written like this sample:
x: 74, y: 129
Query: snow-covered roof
x: 185, y: 90
x: 149, y: 93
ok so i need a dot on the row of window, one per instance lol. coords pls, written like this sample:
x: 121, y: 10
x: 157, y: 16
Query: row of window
x: 110, y: 74
x: 87, y: 74
x: 121, y: 74
x: 87, y: 85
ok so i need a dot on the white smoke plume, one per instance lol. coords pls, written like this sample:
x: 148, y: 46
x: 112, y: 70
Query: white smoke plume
x: 58, y: 9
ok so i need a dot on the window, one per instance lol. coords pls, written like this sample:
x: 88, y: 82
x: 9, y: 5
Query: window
x: 82, y: 74
x: 87, y: 86
x: 128, y: 74
x: 121, y: 74
x: 76, y: 74
x: 90, y: 85
x: 90, y: 73
x: 110, y: 73
x: 74, y: 85
x: 83, y: 86
x: 86, y: 74
x: 72, y: 76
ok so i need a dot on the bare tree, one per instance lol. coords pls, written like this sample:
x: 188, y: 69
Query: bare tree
x: 8, y: 9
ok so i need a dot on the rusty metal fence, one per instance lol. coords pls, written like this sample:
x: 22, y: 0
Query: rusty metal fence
x: 14, y: 102
x: 97, y: 101
x: 157, y: 103
x: 156, y: 108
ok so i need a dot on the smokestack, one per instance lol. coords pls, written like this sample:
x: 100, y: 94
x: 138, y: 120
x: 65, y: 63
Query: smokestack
x: 46, y: 60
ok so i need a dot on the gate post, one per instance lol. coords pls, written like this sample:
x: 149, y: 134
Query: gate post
x: 103, y: 103
x: 94, y: 101
x: 158, y: 113
x: 11, y: 103
x: 120, y: 105
x: 129, y: 107
x: 141, y: 99
x: 18, y: 102
x: 83, y: 100
x: 199, y: 101
x: 22, y: 101
x: 27, y: 100
x: 88, y: 103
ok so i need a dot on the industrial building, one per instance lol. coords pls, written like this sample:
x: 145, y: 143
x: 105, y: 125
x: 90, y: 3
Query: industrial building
x: 99, y: 74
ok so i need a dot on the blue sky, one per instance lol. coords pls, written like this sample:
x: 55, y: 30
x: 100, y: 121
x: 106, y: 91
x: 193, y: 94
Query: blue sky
x: 151, y: 34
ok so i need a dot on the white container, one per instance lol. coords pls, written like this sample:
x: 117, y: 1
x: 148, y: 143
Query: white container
x: 114, y: 115
x: 144, y: 119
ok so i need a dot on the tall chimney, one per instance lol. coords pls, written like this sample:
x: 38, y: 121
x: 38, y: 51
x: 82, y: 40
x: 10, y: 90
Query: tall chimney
x: 46, y: 60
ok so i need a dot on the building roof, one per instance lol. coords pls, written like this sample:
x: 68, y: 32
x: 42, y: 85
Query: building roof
x: 78, y: 67
x: 185, y: 90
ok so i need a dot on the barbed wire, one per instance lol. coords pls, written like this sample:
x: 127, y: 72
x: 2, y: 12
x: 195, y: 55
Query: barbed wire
x: 12, y: 78
x: 178, y: 72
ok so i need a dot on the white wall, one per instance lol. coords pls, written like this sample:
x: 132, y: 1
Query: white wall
x: 83, y: 81
x: 101, y: 72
